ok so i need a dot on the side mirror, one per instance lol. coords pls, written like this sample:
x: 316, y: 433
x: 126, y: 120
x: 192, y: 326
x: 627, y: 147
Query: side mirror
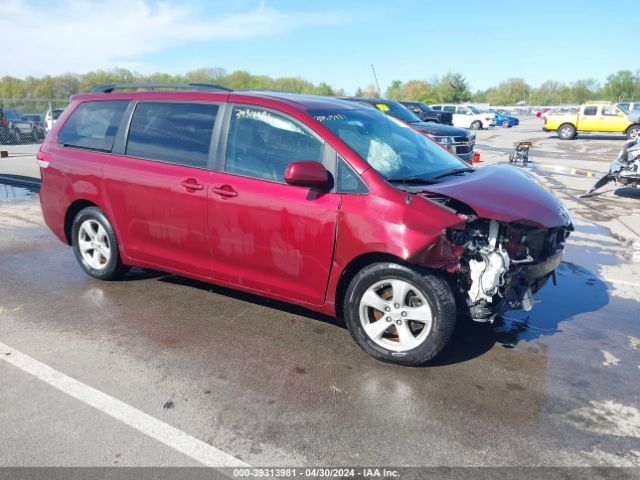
x: 306, y: 173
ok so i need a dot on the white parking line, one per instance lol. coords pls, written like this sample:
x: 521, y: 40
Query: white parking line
x: 144, y: 423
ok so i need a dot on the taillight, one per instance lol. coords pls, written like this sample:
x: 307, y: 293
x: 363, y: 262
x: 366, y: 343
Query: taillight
x: 545, y: 119
x: 4, y: 120
x: 43, y: 159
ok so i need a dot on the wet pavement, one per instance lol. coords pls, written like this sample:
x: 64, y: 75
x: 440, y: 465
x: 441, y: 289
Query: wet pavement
x: 272, y: 384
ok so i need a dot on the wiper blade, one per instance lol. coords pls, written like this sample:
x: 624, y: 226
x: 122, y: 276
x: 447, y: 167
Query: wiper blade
x: 454, y: 172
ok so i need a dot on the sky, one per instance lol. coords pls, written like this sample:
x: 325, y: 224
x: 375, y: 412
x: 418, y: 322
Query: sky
x: 335, y: 41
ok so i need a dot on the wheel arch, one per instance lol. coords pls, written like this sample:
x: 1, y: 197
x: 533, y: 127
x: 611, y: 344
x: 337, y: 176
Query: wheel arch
x: 631, y: 126
x: 71, y: 213
x: 357, y: 264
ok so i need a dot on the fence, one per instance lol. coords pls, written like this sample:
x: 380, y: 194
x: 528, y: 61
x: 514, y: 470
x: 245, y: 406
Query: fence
x: 25, y: 120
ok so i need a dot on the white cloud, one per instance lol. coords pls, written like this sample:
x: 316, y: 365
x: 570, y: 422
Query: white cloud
x: 80, y: 35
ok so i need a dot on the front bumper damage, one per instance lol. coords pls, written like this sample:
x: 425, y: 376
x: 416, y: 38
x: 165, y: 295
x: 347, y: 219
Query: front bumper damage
x: 504, y: 265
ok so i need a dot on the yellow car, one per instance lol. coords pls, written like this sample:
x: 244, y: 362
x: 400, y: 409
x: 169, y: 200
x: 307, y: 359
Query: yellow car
x: 592, y: 117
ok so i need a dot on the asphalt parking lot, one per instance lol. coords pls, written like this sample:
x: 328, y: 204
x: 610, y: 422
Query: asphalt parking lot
x: 157, y: 370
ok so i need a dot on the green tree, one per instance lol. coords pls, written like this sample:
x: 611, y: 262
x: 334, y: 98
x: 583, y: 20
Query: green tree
x: 453, y: 87
x: 548, y: 93
x: 622, y: 85
x: 395, y: 90
x: 371, y: 91
x: 324, y: 89
x: 510, y: 92
x: 418, y: 90
x: 584, y: 90
x: 206, y: 75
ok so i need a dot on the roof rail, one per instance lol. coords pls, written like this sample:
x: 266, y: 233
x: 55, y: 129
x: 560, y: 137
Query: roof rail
x: 110, y: 87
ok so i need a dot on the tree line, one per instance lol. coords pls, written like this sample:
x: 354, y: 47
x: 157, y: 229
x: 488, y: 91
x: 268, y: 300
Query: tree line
x: 33, y: 94
x: 453, y: 87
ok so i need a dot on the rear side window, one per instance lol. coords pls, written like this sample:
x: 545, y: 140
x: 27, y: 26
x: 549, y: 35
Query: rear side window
x: 177, y: 133
x: 590, y: 110
x: 93, y: 125
x: 262, y: 143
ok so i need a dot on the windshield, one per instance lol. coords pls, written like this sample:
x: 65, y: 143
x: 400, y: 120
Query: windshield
x: 397, y: 110
x: 474, y: 109
x: 393, y: 148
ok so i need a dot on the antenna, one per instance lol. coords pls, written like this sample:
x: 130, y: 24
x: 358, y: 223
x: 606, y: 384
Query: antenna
x: 375, y: 77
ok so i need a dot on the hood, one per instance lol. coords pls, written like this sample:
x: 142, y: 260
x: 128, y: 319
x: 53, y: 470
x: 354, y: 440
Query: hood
x: 441, y: 130
x: 505, y: 193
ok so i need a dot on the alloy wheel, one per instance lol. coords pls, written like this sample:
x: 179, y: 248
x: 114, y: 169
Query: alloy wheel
x: 395, y: 315
x: 93, y: 243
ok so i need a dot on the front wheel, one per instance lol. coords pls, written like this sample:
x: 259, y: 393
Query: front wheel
x: 95, y: 245
x: 505, y: 124
x: 476, y: 125
x: 399, y: 314
x: 633, y: 131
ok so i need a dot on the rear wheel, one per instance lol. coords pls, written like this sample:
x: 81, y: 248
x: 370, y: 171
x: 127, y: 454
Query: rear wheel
x: 567, y: 131
x: 399, y: 314
x: 95, y: 245
x: 16, y: 137
x: 633, y: 131
x: 476, y: 125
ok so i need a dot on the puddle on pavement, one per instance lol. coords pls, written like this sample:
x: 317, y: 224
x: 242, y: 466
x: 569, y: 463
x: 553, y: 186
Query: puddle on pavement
x: 580, y: 289
x: 13, y: 192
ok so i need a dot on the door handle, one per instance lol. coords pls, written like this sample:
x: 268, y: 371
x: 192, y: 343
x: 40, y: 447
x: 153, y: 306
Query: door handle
x: 192, y: 184
x: 225, y: 191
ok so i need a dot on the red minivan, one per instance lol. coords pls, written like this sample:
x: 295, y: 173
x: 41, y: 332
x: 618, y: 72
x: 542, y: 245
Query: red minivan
x: 321, y: 202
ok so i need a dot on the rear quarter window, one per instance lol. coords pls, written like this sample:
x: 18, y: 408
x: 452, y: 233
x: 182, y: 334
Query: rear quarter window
x: 93, y: 125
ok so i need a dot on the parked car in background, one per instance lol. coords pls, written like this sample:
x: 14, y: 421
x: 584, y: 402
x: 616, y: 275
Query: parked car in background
x: 51, y: 117
x: 632, y: 109
x: 38, y: 121
x: 457, y: 140
x: 591, y: 117
x: 328, y: 204
x: 427, y: 114
x: 505, y: 121
x: 541, y: 112
x: 468, y: 116
x: 16, y: 128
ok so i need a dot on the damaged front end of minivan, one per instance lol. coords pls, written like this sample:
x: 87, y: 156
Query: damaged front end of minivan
x: 512, y: 239
x: 504, y: 264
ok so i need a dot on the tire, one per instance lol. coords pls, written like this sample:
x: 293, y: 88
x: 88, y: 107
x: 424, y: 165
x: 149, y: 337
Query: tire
x: 566, y: 131
x: 476, y: 125
x: 405, y: 340
x: 633, y: 131
x: 16, y: 137
x: 95, y: 245
x: 505, y: 124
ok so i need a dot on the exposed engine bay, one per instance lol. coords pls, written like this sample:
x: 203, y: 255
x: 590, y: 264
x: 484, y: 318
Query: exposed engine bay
x: 503, y: 264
